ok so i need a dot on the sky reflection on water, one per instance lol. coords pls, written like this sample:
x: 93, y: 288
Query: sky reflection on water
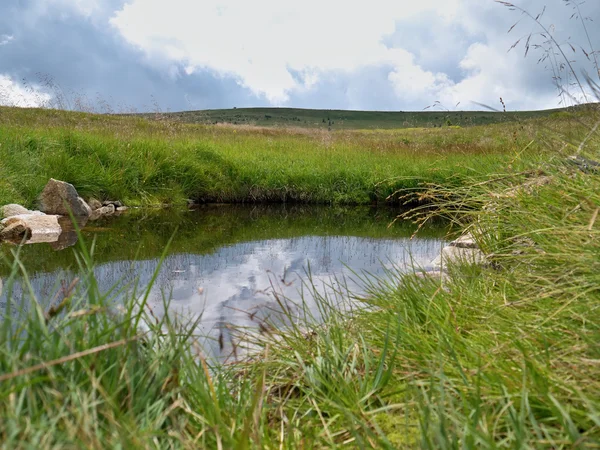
x: 244, y: 284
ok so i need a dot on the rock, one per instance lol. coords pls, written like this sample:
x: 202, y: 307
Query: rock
x: 59, y: 197
x: 464, y: 241
x: 37, y: 227
x: 122, y: 208
x: 16, y: 231
x: 94, y: 204
x: 116, y: 203
x: 104, y: 211
x: 85, y: 207
x: 584, y: 164
x: 434, y: 275
x: 451, y: 255
x: 68, y: 237
x: 12, y: 210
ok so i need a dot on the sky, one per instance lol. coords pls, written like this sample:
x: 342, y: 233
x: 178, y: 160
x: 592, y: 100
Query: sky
x: 157, y: 55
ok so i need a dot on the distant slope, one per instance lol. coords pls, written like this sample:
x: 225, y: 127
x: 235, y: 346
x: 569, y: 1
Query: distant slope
x: 339, y: 119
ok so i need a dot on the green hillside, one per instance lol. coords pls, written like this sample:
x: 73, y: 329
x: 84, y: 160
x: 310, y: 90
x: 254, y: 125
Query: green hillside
x: 340, y: 119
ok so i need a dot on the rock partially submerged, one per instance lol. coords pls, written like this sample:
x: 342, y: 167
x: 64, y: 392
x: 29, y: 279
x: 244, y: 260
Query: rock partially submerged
x: 61, y: 198
x: 35, y: 228
x: 115, y: 203
x: 460, y: 255
x: 16, y: 231
x: 103, y: 211
x: 69, y: 236
x: 94, y: 204
x: 58, y: 200
x: 463, y: 250
x: 464, y: 241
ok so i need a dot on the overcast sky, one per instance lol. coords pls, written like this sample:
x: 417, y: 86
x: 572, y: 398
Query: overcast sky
x: 338, y: 54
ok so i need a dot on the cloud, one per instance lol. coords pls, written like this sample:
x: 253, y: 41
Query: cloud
x: 14, y: 94
x: 82, y: 60
x: 263, y: 48
x: 5, y: 39
x: 385, y: 55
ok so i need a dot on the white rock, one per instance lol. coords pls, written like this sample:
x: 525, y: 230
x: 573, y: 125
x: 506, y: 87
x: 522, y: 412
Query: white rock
x: 459, y: 255
x: 465, y: 241
x: 14, y: 210
x: 42, y: 227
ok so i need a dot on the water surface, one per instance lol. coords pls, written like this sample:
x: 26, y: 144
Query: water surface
x: 236, y: 266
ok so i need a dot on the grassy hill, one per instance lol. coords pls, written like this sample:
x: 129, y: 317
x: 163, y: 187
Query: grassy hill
x: 143, y: 161
x: 339, y: 119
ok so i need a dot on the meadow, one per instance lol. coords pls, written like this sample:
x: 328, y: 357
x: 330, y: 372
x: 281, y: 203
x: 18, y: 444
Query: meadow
x: 331, y: 119
x: 144, y: 161
x: 502, y: 355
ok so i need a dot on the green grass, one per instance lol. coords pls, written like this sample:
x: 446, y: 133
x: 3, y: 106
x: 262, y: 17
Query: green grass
x: 345, y: 120
x: 504, y: 355
x: 500, y: 356
x: 141, y: 161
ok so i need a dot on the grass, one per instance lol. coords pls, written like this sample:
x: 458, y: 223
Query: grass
x: 144, y: 162
x: 328, y: 119
x: 503, y: 355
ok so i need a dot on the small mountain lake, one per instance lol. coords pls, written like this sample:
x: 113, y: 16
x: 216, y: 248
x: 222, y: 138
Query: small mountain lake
x: 233, y: 266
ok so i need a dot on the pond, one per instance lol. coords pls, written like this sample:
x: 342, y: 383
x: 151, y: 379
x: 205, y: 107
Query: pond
x: 235, y: 267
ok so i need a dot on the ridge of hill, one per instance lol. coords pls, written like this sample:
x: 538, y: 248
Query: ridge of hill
x: 348, y: 119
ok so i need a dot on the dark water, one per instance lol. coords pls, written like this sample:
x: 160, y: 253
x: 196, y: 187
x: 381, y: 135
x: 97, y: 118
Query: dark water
x: 235, y: 266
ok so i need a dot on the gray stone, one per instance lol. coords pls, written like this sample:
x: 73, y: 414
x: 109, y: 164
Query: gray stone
x: 39, y: 227
x: 116, y: 203
x: 59, y: 197
x: 101, y: 212
x: 465, y: 241
x: 436, y: 274
x: 12, y: 210
x: 459, y: 255
x: 85, y: 207
x: 15, y: 210
x: 68, y: 237
x: 94, y: 204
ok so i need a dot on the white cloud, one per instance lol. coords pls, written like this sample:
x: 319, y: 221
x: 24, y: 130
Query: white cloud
x: 490, y: 74
x: 384, y: 54
x: 13, y: 94
x: 261, y: 41
x: 5, y: 39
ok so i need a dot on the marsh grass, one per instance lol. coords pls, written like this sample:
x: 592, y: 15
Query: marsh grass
x: 145, y: 162
x: 499, y: 356
x: 503, y: 355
